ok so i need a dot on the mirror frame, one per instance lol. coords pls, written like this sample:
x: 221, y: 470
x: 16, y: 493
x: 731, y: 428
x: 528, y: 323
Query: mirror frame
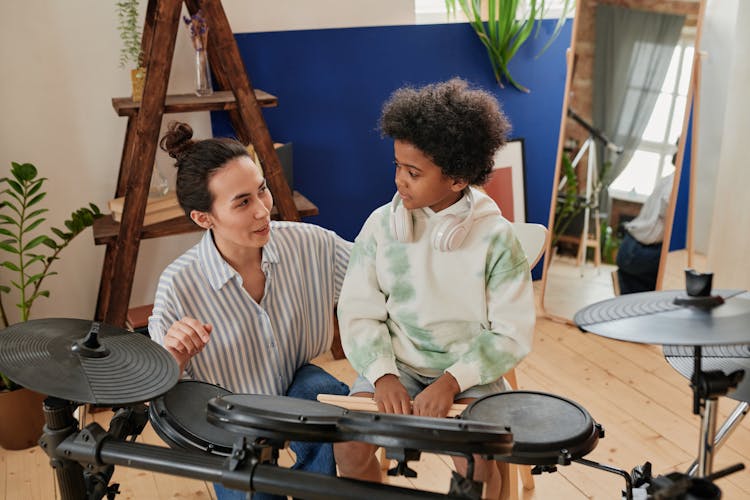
x: 691, y: 114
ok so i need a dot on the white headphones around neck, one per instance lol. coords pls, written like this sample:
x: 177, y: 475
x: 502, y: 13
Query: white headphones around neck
x: 448, y: 234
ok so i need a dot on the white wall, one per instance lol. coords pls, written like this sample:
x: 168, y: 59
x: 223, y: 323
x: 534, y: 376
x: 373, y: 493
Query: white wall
x: 730, y: 237
x: 719, y: 30
x: 248, y: 16
x: 60, y: 71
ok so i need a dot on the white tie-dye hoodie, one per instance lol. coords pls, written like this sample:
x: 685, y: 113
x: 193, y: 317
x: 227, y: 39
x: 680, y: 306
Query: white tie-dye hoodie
x: 469, y: 311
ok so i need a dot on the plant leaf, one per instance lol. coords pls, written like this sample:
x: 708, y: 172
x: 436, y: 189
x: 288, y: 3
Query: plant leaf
x: 37, y: 212
x: 23, y: 172
x: 8, y: 220
x: 35, y: 258
x: 15, y: 196
x: 59, y: 233
x: 35, y: 188
x: 9, y: 265
x: 36, y: 199
x: 16, y: 186
x: 34, y: 279
x: 8, y: 247
x: 35, y: 242
x: 33, y: 225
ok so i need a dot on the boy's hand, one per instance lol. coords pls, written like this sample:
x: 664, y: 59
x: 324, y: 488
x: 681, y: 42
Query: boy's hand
x: 391, y: 395
x: 436, y: 399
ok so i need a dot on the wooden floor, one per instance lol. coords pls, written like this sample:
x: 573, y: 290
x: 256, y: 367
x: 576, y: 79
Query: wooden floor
x: 591, y: 283
x: 643, y: 404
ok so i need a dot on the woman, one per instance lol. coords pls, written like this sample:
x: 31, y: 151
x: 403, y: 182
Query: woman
x: 252, y: 303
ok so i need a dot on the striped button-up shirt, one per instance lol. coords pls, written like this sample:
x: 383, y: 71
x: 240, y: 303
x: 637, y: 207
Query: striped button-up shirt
x: 256, y: 348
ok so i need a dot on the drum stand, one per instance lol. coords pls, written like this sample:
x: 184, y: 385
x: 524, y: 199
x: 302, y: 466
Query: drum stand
x: 627, y: 492
x: 84, y: 462
x: 460, y: 486
x: 707, y: 387
x: 731, y: 423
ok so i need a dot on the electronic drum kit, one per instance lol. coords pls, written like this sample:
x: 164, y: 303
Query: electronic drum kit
x: 235, y: 439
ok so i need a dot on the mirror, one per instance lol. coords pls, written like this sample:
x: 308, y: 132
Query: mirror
x: 624, y: 124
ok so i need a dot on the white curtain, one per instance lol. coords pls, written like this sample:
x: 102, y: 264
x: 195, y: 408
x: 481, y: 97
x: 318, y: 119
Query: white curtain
x: 631, y: 56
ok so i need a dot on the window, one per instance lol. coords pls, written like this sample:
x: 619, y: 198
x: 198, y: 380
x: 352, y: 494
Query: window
x: 434, y: 11
x: 653, y: 158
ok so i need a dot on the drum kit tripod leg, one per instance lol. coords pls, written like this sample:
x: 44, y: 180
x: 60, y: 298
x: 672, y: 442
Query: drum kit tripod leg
x: 731, y: 423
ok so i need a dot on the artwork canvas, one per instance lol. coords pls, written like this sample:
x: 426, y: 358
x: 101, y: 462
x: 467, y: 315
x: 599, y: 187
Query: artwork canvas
x: 506, y: 182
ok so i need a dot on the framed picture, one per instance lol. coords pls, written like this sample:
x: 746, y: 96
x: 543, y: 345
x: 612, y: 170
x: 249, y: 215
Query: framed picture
x: 506, y: 182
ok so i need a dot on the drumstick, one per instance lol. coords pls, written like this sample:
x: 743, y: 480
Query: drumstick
x: 369, y: 404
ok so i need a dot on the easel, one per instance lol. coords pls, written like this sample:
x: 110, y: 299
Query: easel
x: 591, y: 198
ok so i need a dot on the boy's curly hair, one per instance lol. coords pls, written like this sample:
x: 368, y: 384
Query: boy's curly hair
x: 458, y: 128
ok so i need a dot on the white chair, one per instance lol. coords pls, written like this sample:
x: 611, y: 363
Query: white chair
x: 533, y: 239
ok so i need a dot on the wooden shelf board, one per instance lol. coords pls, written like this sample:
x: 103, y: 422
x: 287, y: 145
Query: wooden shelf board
x: 106, y: 229
x: 221, y: 100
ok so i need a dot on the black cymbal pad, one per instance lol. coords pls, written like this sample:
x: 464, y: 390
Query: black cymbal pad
x: 655, y: 318
x: 114, y: 367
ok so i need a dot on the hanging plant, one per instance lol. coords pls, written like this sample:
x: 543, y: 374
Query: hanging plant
x: 131, y: 52
x: 130, y: 33
x: 510, y: 24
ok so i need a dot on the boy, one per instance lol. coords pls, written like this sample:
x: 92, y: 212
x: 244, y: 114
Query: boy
x: 437, y: 303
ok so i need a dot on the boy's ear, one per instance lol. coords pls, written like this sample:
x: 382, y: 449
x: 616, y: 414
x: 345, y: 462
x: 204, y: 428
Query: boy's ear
x: 203, y: 219
x: 458, y: 186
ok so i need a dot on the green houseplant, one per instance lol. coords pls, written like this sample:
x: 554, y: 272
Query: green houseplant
x: 570, y: 202
x: 509, y: 25
x: 131, y: 53
x: 29, y: 264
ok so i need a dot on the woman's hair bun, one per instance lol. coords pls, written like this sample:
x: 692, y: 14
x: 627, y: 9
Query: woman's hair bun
x: 177, y: 139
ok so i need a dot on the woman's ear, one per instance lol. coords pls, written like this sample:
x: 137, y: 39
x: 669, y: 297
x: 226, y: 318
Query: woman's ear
x: 203, y: 219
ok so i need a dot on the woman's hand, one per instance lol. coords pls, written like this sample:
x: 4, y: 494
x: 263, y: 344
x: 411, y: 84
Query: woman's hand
x: 436, y: 399
x: 186, y: 338
x: 391, y: 395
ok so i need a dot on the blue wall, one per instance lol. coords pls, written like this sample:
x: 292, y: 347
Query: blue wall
x: 332, y: 83
x: 679, y: 227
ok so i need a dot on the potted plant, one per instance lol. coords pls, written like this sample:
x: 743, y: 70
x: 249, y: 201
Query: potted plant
x: 571, y: 203
x: 131, y: 53
x: 509, y: 25
x: 20, y: 219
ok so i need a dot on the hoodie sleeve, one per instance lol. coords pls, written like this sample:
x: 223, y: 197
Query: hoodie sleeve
x: 511, y: 316
x: 362, y: 309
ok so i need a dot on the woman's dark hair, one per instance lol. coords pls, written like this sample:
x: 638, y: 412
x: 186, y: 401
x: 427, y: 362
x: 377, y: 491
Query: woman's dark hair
x: 196, y: 162
x: 458, y: 128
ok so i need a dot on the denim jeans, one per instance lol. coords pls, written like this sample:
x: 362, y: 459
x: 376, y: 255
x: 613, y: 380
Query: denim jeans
x: 638, y: 265
x: 309, y: 381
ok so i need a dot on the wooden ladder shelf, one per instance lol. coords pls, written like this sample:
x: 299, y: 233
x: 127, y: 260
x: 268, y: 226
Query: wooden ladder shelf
x: 236, y: 96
